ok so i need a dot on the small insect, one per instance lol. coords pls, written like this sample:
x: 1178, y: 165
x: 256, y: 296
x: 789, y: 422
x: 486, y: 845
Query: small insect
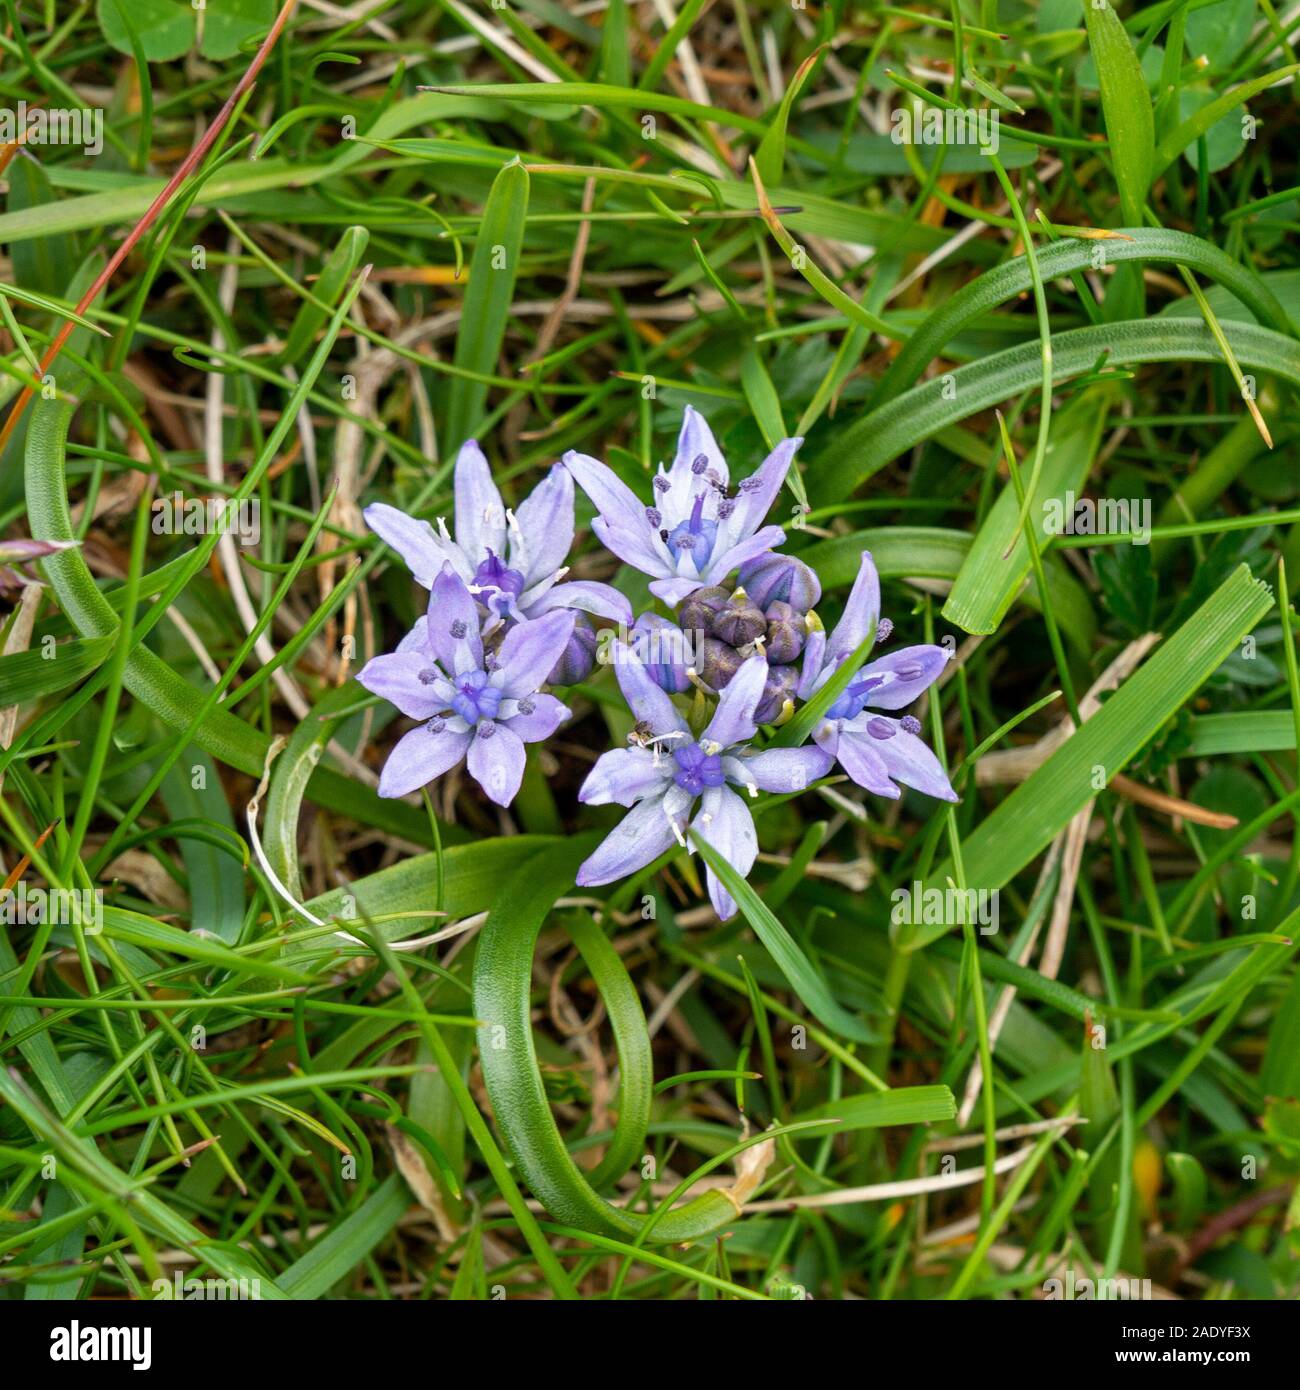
x: 729, y: 491
x: 642, y: 736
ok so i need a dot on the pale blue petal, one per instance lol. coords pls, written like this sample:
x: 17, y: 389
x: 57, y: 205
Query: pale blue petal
x: 725, y: 823
x: 480, y: 513
x: 496, y: 761
x: 420, y: 757
x: 627, y: 775
x: 733, y: 720
x: 530, y: 651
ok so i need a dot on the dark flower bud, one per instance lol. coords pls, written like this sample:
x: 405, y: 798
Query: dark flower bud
x: 696, y: 611
x: 786, y: 632
x: 739, y: 623
x: 718, y: 663
x: 579, y: 655
x: 774, y: 577
x: 779, y: 687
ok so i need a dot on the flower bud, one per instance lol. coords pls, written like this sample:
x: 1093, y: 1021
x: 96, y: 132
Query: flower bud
x: 578, y: 657
x: 696, y: 612
x: 774, y: 577
x: 779, y: 687
x: 665, y: 652
x: 739, y: 623
x: 718, y: 663
x: 786, y: 631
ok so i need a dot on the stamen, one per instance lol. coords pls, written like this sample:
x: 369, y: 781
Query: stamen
x: 654, y: 516
x: 883, y: 629
x: 699, y: 464
x: 458, y: 629
x: 677, y: 830
x: 910, y: 724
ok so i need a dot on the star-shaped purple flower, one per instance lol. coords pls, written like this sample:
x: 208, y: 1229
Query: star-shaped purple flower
x: 663, y: 776
x: 693, y: 533
x: 511, y: 561
x: 474, y: 707
x: 873, y: 749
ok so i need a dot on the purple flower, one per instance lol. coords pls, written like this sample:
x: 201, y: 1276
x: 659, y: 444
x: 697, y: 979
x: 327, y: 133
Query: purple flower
x: 22, y: 554
x: 474, y: 707
x: 667, y: 770
x: 666, y: 651
x: 874, y: 750
x: 511, y: 562
x: 693, y: 533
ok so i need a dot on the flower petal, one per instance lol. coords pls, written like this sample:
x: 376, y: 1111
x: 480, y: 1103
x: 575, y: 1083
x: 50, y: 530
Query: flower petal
x: 673, y: 591
x: 626, y: 775
x: 725, y: 822
x: 545, y: 530
x: 496, y: 761
x: 861, y: 614
x: 480, y: 513
x: 907, y: 759
x: 695, y: 439
x: 395, y: 677
x: 637, y: 840
x: 423, y: 550
x: 454, y: 625
x: 814, y: 657
x: 419, y: 757
x: 617, y: 504
x: 779, y: 769
x: 641, y: 548
x: 722, y: 564
x: 859, y: 756
x: 922, y: 665
x: 733, y: 720
x: 547, y: 715
x: 417, y: 640
x: 756, y: 495
x: 586, y: 595
x: 530, y: 651
x: 646, y: 700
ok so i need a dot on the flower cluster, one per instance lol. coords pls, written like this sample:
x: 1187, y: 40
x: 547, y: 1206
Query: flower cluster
x: 745, y: 649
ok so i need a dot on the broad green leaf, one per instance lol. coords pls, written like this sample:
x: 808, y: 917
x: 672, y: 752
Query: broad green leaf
x: 1024, y: 823
x: 1214, y: 111
x: 908, y: 1105
x: 229, y: 25
x: 503, y: 990
x: 46, y: 265
x: 1280, y: 1073
x: 930, y: 552
x: 486, y: 306
x: 866, y: 446
x: 165, y: 28
x: 337, y: 1253
x: 31, y: 675
x: 1127, y: 107
x: 216, y: 877
x: 1242, y: 731
x: 988, y: 583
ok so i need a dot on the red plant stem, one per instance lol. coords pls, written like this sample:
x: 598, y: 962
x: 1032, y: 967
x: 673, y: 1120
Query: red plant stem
x: 191, y: 162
